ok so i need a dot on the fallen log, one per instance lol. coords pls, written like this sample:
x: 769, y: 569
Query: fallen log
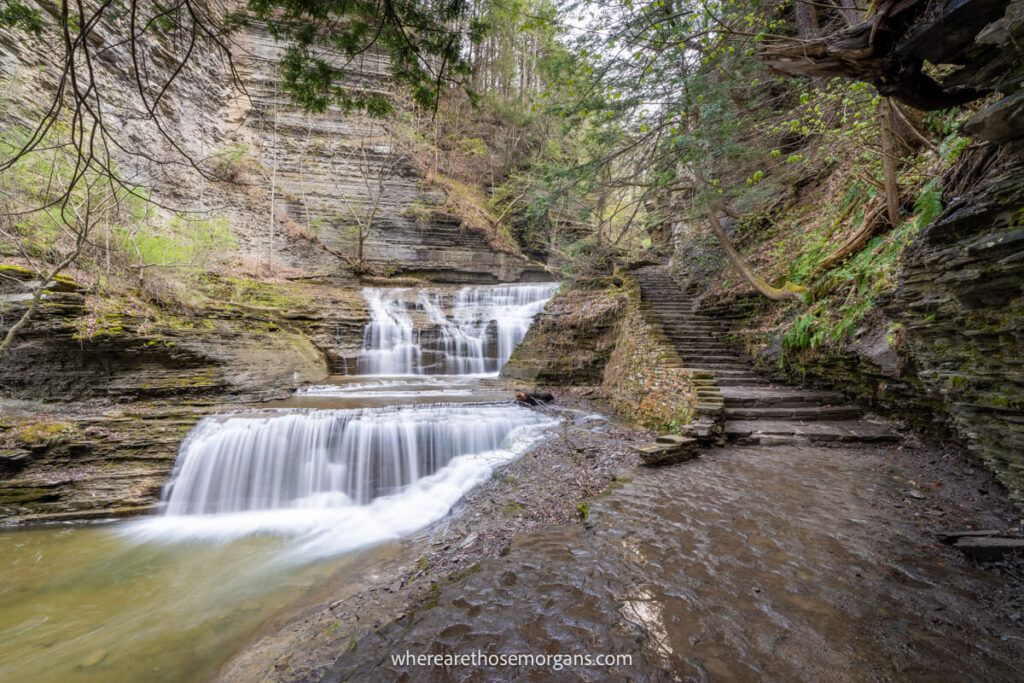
x: 534, y: 398
x: 873, y: 223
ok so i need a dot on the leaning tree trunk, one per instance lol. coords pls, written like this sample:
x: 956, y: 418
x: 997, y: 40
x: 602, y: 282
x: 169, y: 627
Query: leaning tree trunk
x: 789, y: 291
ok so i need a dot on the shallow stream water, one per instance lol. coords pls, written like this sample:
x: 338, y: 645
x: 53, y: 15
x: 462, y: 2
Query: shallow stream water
x: 779, y: 563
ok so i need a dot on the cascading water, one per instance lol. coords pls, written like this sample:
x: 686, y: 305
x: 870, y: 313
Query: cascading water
x: 327, y: 458
x: 413, y: 333
x: 342, y: 478
x: 390, y: 344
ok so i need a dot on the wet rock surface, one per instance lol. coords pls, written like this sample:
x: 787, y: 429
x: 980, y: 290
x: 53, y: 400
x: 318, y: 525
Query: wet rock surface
x: 781, y: 563
x: 95, y: 399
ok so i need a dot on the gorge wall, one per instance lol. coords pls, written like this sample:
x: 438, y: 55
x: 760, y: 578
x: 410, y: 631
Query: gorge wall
x: 251, y: 136
x: 330, y: 167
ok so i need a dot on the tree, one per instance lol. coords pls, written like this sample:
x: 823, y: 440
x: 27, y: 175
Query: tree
x: 376, y: 162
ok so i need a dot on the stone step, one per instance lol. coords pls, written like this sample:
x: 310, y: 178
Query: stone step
x: 677, y: 329
x: 814, y: 412
x: 707, y: 360
x: 776, y: 396
x: 680, y: 320
x: 726, y: 371
x: 721, y: 369
x: 820, y: 432
x: 703, y: 343
x: 740, y: 381
x: 704, y: 352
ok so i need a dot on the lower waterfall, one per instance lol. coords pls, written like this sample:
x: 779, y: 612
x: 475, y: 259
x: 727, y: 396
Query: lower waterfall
x: 330, y: 458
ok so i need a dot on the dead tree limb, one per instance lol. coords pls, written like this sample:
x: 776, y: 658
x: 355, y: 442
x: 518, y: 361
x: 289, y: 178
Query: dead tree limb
x: 879, y: 51
x: 873, y: 222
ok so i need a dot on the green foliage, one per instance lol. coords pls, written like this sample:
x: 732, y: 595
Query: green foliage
x: 853, y: 288
x: 418, y: 38
x: 230, y: 162
x: 928, y: 204
x: 800, y: 334
x: 45, y: 212
x: 45, y: 433
x: 183, y: 243
x: 474, y: 146
x: 15, y: 14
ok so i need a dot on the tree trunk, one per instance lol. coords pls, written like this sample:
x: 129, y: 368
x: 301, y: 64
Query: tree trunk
x: 806, y: 19
x: 851, y: 13
x: 788, y: 292
x: 892, y: 190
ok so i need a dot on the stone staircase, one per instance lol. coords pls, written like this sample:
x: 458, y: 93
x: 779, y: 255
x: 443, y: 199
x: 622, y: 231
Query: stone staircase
x: 756, y: 410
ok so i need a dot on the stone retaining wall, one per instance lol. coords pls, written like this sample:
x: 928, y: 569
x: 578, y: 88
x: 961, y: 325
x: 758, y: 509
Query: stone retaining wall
x: 645, y: 379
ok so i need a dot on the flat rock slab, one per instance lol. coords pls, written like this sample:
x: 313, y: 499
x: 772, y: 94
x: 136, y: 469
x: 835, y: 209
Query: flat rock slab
x: 669, y: 449
x: 987, y: 548
x: 819, y: 431
x: 775, y: 395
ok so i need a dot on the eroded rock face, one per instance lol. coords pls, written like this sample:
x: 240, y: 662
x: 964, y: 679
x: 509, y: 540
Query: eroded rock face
x: 569, y: 343
x: 330, y: 168
x: 97, y: 394
x: 252, y: 138
x: 132, y: 358
x: 961, y: 297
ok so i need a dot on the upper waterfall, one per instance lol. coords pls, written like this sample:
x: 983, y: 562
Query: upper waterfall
x: 426, y: 332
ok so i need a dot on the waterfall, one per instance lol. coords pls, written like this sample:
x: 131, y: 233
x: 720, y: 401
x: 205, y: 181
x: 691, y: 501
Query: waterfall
x: 342, y: 477
x: 330, y: 458
x: 471, y: 332
x: 511, y: 309
x: 335, y: 480
x: 390, y: 344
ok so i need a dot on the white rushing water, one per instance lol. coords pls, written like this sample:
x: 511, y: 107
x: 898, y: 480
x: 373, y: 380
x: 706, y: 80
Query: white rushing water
x: 329, y: 458
x: 337, y: 479
x: 473, y: 332
x: 341, y: 478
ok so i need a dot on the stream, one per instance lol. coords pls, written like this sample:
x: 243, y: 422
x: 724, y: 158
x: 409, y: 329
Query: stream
x: 268, y: 505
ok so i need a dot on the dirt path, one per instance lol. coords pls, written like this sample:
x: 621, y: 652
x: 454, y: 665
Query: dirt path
x: 783, y: 563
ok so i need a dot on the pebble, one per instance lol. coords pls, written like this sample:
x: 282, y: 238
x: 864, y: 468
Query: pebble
x: 93, y: 659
